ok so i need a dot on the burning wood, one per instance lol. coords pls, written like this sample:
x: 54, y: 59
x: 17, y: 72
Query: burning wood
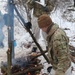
x: 23, y: 66
x: 32, y: 70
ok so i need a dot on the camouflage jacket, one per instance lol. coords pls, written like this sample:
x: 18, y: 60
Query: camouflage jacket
x: 58, y: 49
x: 39, y: 9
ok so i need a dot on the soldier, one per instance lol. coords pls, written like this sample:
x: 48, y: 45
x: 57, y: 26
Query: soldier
x: 39, y: 9
x: 58, y: 48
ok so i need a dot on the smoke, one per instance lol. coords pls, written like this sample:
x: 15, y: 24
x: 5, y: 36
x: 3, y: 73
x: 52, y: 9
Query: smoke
x: 1, y: 31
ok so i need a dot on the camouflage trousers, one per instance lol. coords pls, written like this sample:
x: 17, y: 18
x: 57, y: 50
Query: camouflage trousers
x: 57, y: 73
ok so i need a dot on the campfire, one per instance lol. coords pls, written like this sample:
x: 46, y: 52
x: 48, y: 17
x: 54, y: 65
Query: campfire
x: 23, y: 66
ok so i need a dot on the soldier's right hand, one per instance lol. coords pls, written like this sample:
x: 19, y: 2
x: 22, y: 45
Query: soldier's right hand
x: 28, y: 25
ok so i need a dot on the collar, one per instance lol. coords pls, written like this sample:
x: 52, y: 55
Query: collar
x: 52, y: 30
x: 49, y: 28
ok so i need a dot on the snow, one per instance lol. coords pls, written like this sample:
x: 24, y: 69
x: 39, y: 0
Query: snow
x: 22, y: 36
x: 57, y: 18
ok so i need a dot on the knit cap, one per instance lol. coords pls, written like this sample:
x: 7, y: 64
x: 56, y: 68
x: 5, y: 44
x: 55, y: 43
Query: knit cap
x: 44, y: 21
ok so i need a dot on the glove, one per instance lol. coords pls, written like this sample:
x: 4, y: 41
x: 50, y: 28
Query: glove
x: 34, y: 49
x: 28, y: 25
x: 46, y: 9
x: 49, y: 69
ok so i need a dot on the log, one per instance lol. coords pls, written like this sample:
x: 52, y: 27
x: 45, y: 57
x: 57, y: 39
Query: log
x: 39, y: 67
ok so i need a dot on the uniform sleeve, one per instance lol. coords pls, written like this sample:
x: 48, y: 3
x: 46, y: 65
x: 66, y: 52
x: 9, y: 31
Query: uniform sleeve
x: 60, y: 47
x: 31, y: 4
x: 49, y: 5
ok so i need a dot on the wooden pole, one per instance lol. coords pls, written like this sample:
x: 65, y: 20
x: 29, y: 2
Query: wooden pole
x: 31, y: 35
x: 11, y: 26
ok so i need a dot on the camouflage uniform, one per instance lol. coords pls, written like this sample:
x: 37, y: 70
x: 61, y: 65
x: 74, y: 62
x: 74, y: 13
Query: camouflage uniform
x: 39, y: 10
x: 58, y: 49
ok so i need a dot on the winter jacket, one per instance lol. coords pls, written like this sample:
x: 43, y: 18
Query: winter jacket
x: 58, y: 50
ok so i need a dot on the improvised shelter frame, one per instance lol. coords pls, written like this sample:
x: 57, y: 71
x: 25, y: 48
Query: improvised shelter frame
x: 10, y: 52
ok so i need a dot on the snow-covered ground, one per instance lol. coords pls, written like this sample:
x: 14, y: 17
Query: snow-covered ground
x: 21, y: 35
x: 57, y: 18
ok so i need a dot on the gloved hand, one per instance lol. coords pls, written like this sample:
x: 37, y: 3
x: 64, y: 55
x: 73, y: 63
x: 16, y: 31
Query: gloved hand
x: 34, y: 49
x: 46, y: 9
x: 28, y: 25
x: 49, y: 69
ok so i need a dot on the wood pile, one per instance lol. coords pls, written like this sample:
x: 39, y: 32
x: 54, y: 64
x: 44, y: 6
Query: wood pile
x: 24, y: 66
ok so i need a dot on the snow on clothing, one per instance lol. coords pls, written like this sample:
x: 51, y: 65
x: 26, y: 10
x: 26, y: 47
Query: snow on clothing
x: 58, y: 49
